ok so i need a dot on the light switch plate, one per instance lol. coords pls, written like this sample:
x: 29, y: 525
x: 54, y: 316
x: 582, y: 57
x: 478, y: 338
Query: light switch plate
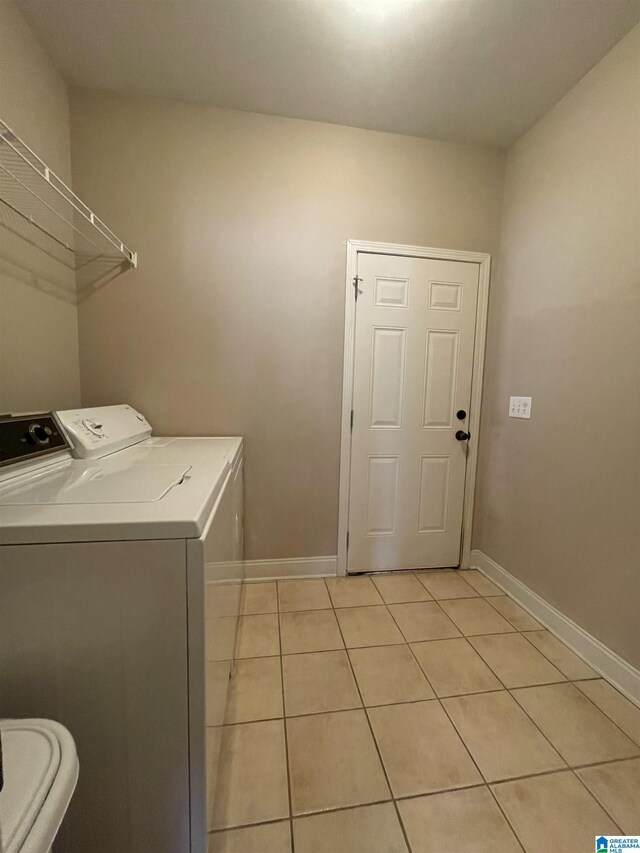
x: 520, y: 407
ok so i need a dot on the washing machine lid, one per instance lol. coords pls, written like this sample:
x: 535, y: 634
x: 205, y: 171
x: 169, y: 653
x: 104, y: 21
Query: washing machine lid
x: 108, y: 481
x: 160, y: 488
x: 40, y: 770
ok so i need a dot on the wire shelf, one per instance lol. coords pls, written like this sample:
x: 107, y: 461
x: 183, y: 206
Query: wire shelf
x: 38, y: 207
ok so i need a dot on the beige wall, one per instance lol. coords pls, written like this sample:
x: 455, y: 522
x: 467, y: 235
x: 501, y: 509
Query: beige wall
x: 559, y: 495
x: 234, y: 321
x: 38, y: 319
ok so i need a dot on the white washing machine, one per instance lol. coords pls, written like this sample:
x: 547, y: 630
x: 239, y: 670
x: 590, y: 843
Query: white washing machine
x: 106, y: 535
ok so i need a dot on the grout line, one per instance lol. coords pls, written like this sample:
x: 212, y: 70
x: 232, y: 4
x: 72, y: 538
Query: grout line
x: 603, y: 712
x: 533, y: 721
x: 462, y: 741
x: 488, y: 598
x: 304, y: 610
x: 302, y: 816
x: 482, y: 575
x: 529, y: 687
x: 516, y: 836
x: 563, y: 677
x: 444, y: 710
x: 497, y: 689
x: 377, y: 748
x: 592, y: 793
x: 284, y: 726
x: 482, y: 776
x: 602, y: 805
x: 526, y: 631
x: 593, y: 764
x: 571, y: 768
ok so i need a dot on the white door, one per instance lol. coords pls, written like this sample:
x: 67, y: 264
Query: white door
x: 414, y: 343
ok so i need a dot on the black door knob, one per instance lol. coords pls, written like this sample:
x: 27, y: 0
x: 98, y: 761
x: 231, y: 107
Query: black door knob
x: 461, y: 435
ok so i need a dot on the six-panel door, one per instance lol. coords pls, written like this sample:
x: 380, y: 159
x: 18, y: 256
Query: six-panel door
x: 414, y: 342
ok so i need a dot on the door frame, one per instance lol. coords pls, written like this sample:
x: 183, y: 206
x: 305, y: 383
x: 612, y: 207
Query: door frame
x: 354, y: 248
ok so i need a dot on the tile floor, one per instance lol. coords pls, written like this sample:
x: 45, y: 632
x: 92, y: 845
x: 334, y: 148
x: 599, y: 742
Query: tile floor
x: 416, y: 713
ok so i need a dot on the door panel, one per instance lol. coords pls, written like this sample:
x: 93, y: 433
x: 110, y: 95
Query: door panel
x: 414, y: 339
x: 387, y: 377
x: 440, y: 378
x: 433, y: 499
x: 382, y: 494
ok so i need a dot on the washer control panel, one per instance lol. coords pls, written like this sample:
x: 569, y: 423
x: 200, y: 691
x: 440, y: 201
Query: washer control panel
x: 103, y: 430
x: 25, y: 437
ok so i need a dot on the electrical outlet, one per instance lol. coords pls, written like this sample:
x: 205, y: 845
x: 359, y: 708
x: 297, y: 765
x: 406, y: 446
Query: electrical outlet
x: 520, y: 407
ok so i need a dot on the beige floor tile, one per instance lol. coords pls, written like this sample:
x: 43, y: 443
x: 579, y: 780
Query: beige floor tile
x: 222, y: 599
x: 454, y: 667
x: 474, y: 616
x: 617, y: 788
x: 333, y: 762
x: 399, y: 588
x: 368, y: 626
x: 553, y: 813
x: 217, y: 686
x: 309, y: 631
x: 368, y: 829
x: 252, y: 785
x: 578, y: 730
x: 467, y: 821
x: 481, y: 583
x: 317, y: 682
x: 624, y: 713
x: 220, y: 637
x: 513, y: 613
x: 258, y: 636
x: 560, y: 656
x: 255, y: 691
x: 307, y: 594
x: 353, y: 592
x: 515, y: 661
x: 501, y: 738
x: 259, y: 598
x: 421, y: 750
x: 423, y: 621
x: 389, y: 674
x: 268, y: 838
x: 447, y: 584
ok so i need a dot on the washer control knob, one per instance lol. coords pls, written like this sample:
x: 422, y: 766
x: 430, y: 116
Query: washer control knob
x: 37, y: 434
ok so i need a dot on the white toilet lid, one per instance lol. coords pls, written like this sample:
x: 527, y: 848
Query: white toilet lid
x: 40, y: 769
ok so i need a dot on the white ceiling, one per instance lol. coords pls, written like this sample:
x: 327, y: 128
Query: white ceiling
x: 467, y: 70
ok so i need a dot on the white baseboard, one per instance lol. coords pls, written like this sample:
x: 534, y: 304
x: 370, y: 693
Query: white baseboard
x: 295, y: 567
x: 610, y: 665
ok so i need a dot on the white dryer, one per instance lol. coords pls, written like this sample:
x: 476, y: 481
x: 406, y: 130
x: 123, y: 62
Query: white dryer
x: 106, y: 535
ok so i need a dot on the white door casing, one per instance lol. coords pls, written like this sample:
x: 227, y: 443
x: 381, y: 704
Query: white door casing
x: 407, y: 491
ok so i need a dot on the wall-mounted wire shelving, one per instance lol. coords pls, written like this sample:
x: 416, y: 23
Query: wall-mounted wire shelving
x: 39, y: 208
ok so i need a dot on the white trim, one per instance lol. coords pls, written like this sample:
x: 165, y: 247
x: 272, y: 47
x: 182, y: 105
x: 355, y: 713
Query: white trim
x: 484, y: 260
x: 610, y: 665
x: 296, y: 567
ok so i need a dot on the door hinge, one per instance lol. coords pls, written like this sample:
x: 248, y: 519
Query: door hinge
x: 356, y: 289
x: 351, y: 422
x: 347, y: 540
